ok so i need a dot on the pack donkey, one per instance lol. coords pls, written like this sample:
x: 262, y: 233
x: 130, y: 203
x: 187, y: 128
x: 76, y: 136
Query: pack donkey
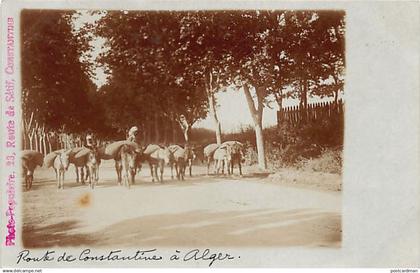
x: 61, y: 165
x: 182, y: 157
x: 30, y: 160
x: 157, y: 157
x: 126, y: 165
x: 235, y: 155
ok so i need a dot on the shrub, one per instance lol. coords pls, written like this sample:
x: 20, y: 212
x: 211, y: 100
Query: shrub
x: 329, y: 161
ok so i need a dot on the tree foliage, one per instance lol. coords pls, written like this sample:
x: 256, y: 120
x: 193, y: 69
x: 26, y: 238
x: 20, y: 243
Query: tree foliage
x: 55, y: 86
x: 165, y: 67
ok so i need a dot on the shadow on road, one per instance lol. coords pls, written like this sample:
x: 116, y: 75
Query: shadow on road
x: 200, y: 228
x: 54, y: 235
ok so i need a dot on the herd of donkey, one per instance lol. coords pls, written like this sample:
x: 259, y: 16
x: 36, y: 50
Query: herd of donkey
x: 128, y: 157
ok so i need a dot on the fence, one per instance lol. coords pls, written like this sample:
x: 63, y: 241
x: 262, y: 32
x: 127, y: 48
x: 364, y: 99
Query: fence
x: 314, y: 112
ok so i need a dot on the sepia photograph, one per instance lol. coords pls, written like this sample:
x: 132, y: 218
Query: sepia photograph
x: 206, y: 128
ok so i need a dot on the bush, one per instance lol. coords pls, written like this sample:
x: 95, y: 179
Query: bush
x: 330, y: 161
x: 313, y: 146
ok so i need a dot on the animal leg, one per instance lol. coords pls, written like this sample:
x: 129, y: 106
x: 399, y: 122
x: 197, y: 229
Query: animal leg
x: 82, y: 174
x: 118, y: 170
x: 152, y: 172
x: 87, y: 176
x: 77, y: 173
x: 62, y: 181
x: 223, y: 166
x: 162, y: 165
x: 57, y: 175
x: 183, y: 167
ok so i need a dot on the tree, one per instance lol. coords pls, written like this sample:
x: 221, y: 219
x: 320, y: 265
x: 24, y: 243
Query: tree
x: 142, y: 58
x: 255, y: 67
x: 205, y: 42
x: 315, y: 48
x: 55, y: 85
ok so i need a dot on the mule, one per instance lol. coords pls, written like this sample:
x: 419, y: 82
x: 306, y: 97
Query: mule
x: 93, y: 162
x: 221, y: 159
x: 189, y: 157
x: 126, y: 165
x: 208, y: 153
x: 235, y: 155
x: 30, y: 160
x: 177, y: 160
x: 79, y: 163
x: 157, y: 157
x: 61, y: 165
x: 181, y: 158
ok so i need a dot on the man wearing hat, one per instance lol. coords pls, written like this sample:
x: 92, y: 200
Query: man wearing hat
x: 132, y: 134
x: 89, y: 141
x: 133, y: 137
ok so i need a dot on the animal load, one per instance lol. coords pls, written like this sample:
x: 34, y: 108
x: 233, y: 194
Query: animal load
x: 174, y: 148
x: 73, y: 151
x: 49, y: 158
x: 231, y: 143
x: 103, y: 155
x: 151, y: 148
x: 209, y: 149
x: 111, y: 150
x: 32, y: 156
x: 82, y: 153
x: 179, y: 153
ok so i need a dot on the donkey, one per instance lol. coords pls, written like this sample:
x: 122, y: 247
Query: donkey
x: 189, y: 157
x: 208, y: 155
x: 79, y: 164
x: 181, y: 158
x: 93, y: 162
x: 221, y: 159
x: 235, y: 155
x: 61, y: 165
x: 30, y: 160
x: 177, y: 160
x: 126, y: 165
x: 157, y: 157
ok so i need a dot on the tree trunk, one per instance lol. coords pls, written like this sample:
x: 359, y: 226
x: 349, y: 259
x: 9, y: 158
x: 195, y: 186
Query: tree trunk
x: 335, y: 91
x: 185, y: 126
x: 165, y: 131
x: 174, y: 127
x: 186, y: 132
x: 149, y: 131
x: 214, y: 116
x: 256, y: 113
x: 157, y: 127
x: 212, y: 105
x: 336, y: 97
x: 279, y: 99
x: 50, y: 148
x: 304, y: 99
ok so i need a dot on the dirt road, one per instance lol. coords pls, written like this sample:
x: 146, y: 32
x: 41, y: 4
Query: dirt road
x: 200, y: 211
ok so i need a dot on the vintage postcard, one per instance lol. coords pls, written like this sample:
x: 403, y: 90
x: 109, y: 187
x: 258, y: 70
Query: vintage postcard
x: 209, y: 134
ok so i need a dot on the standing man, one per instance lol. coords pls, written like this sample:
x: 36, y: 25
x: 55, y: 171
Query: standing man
x: 89, y: 141
x: 133, y: 135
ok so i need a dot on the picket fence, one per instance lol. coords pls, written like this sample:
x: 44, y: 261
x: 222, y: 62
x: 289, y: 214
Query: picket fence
x: 314, y: 112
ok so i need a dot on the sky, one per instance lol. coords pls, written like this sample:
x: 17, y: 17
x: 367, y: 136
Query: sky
x: 233, y: 111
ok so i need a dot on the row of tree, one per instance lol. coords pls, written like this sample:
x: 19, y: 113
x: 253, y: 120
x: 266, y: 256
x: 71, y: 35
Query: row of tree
x: 165, y: 68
